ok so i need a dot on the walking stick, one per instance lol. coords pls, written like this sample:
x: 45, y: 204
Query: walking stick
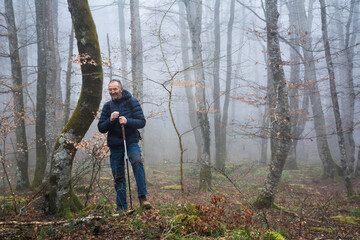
x: 127, y: 167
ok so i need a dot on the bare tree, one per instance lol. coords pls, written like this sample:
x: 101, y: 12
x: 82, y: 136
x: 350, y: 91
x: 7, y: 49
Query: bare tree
x: 68, y: 75
x: 22, y: 178
x: 304, y: 23
x: 121, y: 4
x: 194, y: 18
x: 187, y: 76
x: 61, y: 195
x: 41, y: 151
x: 280, y: 123
x: 334, y: 98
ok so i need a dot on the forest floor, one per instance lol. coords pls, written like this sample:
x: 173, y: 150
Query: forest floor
x: 307, y: 206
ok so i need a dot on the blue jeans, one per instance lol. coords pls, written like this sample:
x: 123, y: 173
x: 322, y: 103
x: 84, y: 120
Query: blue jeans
x: 118, y: 170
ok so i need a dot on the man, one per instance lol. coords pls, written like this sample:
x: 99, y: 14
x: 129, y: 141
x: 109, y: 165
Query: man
x: 123, y: 109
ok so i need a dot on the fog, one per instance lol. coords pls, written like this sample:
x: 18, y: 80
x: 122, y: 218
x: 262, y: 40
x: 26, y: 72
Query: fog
x: 249, y: 73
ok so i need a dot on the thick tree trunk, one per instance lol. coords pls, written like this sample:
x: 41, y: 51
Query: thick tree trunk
x: 280, y: 126
x: 63, y: 201
x: 188, y: 87
x: 23, y: 39
x: 22, y: 178
x: 123, y: 69
x: 41, y: 151
x: 194, y: 17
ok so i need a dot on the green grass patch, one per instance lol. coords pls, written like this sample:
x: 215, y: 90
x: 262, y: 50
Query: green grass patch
x: 347, y: 219
x: 171, y: 187
x: 321, y: 229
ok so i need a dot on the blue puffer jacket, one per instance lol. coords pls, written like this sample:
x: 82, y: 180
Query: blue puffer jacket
x: 128, y: 107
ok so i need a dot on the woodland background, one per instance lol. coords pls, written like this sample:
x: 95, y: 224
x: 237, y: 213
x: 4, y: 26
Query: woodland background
x: 250, y: 105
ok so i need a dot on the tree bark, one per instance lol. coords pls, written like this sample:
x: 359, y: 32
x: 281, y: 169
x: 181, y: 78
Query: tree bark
x: 63, y: 200
x: 194, y: 18
x: 51, y: 81
x: 123, y: 69
x: 188, y: 87
x: 68, y: 76
x: 41, y: 151
x: 219, y: 160
x: 303, y: 24
x: 225, y: 113
x: 280, y: 124
x: 136, y: 51
x: 334, y: 98
x: 22, y: 177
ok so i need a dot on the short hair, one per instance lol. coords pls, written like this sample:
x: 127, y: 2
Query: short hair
x: 116, y: 80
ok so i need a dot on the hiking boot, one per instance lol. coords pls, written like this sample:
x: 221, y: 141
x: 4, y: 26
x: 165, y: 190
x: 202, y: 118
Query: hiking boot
x: 144, y: 203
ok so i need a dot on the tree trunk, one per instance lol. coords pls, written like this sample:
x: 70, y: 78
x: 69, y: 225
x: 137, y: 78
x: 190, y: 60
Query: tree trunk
x: 225, y: 115
x: 68, y: 76
x: 41, y: 151
x: 280, y: 126
x: 194, y: 17
x: 51, y: 82
x: 22, y: 178
x: 63, y: 200
x: 109, y: 54
x: 137, y: 57
x: 123, y: 68
x: 219, y: 160
x: 334, y: 98
x: 59, y: 106
x: 188, y: 87
x: 136, y: 51
x: 23, y: 39
x: 311, y: 82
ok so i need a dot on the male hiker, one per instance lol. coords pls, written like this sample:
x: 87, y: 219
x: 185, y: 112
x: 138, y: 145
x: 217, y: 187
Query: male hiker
x: 124, y: 110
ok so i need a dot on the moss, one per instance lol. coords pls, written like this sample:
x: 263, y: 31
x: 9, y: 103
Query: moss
x: 263, y: 201
x: 300, y: 186
x: 347, y: 219
x: 321, y: 229
x: 104, y: 178
x: 275, y: 236
x: 171, y: 187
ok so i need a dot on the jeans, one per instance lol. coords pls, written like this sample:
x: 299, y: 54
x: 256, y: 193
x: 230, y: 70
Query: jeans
x: 118, y: 170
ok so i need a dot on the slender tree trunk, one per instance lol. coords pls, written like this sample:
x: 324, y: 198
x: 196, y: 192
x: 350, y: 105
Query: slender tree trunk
x: 194, y: 17
x: 219, y: 160
x: 297, y: 124
x: 225, y: 115
x: 59, y: 106
x: 280, y: 126
x: 136, y: 51
x: 23, y: 38
x: 41, y: 151
x: 334, y: 98
x: 63, y: 200
x: 349, y: 97
x: 68, y: 76
x: 311, y: 82
x: 137, y: 57
x: 109, y: 53
x: 22, y: 178
x: 188, y: 87
x: 51, y: 120
x: 121, y: 4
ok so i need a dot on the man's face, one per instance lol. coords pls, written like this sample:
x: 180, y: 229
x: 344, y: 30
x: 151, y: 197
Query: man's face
x: 115, y: 90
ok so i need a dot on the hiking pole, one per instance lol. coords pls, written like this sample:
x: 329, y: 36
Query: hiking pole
x: 127, y: 167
